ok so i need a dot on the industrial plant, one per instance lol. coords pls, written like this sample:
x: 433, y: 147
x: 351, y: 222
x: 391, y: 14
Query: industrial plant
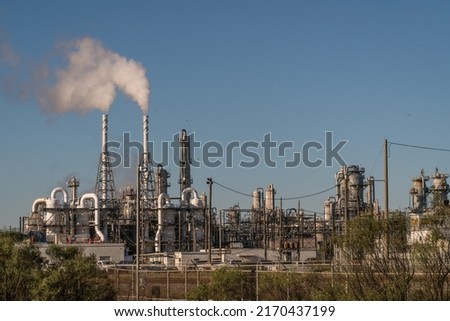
x: 184, y: 229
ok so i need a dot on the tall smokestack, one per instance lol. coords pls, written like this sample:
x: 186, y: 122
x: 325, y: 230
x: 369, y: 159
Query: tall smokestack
x: 104, y: 134
x: 145, y: 165
x: 185, y: 180
x: 145, y: 138
x: 104, y: 187
x: 104, y: 157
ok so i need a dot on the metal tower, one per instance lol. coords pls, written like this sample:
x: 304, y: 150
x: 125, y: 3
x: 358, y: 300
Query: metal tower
x: 104, y: 187
x: 146, y: 175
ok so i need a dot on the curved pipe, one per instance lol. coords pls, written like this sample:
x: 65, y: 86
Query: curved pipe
x: 166, y: 198
x: 96, y: 213
x: 36, y: 203
x: 195, y: 201
x: 189, y: 190
x: 60, y: 190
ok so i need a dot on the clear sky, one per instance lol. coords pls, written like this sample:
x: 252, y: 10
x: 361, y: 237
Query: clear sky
x: 231, y: 71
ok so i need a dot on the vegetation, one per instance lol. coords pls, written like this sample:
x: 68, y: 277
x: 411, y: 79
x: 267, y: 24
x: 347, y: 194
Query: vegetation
x: 375, y: 259
x: 20, y: 268
x: 227, y: 284
x: 433, y: 255
x: 65, y: 275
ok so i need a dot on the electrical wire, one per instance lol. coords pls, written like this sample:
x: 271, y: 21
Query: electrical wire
x: 420, y: 147
x: 231, y: 190
x: 284, y: 198
x: 309, y: 195
x: 376, y: 159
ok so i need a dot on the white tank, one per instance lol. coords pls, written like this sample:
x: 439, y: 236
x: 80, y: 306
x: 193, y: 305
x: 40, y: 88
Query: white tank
x: 234, y: 215
x: 256, y: 197
x: 370, y: 190
x: 340, y: 186
x: 440, y: 188
x: 52, y: 219
x: 199, y: 226
x: 356, y: 184
x: 168, y: 235
x: 329, y: 208
x: 270, y: 198
x: 161, y: 180
x: 419, y: 192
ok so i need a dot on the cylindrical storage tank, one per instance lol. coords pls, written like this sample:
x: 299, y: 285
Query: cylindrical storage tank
x: 440, y: 188
x: 329, y: 206
x: 128, y: 203
x: 370, y: 190
x: 199, y: 219
x: 270, y: 198
x: 439, y: 182
x: 340, y: 186
x: 161, y: 180
x: 256, y: 197
x: 168, y: 234
x: 355, y: 185
x: 52, y: 219
x: 419, y: 192
x: 82, y: 227
x: 234, y: 215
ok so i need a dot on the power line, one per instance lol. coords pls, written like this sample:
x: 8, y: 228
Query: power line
x: 376, y: 159
x: 232, y: 190
x: 309, y: 195
x: 420, y: 147
x: 284, y: 198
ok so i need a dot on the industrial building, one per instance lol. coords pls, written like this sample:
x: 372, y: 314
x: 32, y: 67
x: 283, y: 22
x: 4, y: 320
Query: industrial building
x: 145, y: 220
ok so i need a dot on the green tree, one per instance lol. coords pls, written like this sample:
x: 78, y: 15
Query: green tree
x: 433, y: 254
x: 73, y: 277
x: 227, y: 284
x: 368, y: 272
x: 287, y: 286
x: 20, y: 267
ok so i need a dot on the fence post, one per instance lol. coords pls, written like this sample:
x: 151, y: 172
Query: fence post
x: 168, y: 284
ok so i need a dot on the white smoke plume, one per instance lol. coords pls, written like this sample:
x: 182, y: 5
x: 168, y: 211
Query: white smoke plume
x: 91, y: 78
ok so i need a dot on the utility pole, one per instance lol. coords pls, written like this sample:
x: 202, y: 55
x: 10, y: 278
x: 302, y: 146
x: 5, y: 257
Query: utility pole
x: 386, y: 198
x: 209, y: 181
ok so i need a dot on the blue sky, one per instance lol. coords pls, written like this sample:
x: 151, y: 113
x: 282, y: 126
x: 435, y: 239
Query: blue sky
x: 233, y: 71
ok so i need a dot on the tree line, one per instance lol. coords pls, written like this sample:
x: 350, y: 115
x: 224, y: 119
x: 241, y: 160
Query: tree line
x: 64, y: 275
x: 374, y: 259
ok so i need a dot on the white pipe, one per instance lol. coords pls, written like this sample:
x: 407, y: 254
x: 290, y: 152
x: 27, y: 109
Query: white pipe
x: 96, y: 213
x: 36, y: 203
x: 60, y: 190
x: 166, y: 198
x: 189, y: 190
x: 195, y: 202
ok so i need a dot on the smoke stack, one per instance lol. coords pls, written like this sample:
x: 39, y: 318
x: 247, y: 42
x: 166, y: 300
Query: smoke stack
x: 104, y: 134
x: 145, y: 161
x: 104, y: 157
x: 145, y: 138
x: 185, y: 180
